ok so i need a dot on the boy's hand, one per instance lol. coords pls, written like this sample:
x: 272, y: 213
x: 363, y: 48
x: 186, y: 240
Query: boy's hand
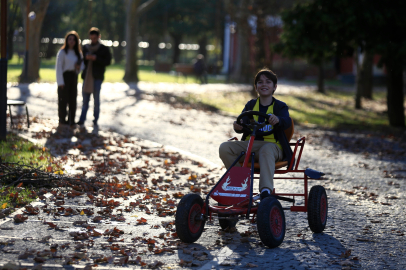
x: 273, y: 120
x: 237, y: 126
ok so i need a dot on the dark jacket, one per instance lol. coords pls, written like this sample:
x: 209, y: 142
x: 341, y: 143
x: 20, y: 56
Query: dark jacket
x: 103, y: 59
x: 281, y: 110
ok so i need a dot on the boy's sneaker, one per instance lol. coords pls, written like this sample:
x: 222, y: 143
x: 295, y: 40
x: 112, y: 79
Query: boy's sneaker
x: 264, y: 194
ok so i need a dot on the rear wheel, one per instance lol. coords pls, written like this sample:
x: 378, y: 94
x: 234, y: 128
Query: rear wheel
x: 271, y: 222
x: 189, y: 225
x: 317, y: 209
x: 227, y: 223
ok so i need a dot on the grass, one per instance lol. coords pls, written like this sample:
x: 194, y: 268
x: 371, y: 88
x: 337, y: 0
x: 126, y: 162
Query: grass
x: 114, y: 73
x: 13, y: 150
x: 333, y: 110
x: 17, y: 149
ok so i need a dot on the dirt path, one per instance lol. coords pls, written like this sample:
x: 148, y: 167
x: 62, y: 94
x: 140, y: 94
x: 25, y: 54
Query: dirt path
x: 366, y: 194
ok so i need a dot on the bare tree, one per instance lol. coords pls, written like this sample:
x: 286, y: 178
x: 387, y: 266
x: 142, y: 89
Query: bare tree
x: 40, y: 7
x: 134, y: 10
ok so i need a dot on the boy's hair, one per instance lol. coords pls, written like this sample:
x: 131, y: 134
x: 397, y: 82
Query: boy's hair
x: 94, y: 31
x: 268, y: 73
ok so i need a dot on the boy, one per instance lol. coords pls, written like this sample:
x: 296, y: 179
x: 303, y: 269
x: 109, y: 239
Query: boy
x: 269, y: 149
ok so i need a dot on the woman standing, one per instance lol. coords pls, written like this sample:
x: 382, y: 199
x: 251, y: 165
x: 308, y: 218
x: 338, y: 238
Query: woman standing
x: 68, y: 65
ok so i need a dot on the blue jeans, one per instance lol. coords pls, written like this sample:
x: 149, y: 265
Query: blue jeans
x: 86, y: 99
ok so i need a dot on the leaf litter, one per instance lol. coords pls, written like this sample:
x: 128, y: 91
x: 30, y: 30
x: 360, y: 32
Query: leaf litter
x: 111, y: 175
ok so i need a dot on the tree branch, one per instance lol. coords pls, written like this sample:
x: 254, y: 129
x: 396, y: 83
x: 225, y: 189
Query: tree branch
x: 145, y: 7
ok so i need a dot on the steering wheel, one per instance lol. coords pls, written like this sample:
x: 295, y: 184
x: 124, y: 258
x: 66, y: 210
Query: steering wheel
x: 255, y: 124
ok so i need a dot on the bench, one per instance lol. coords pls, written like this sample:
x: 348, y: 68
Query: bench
x: 162, y: 67
x: 12, y: 102
x: 184, y: 69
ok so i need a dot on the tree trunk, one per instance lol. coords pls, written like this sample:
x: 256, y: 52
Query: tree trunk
x: 10, y: 43
x: 358, y: 81
x: 320, y: 79
x: 35, y: 26
x: 176, y: 51
x: 241, y: 71
x: 364, y: 78
x: 367, y: 67
x: 11, y: 26
x: 131, y: 67
x: 202, y: 46
x: 134, y: 11
x: 395, y: 96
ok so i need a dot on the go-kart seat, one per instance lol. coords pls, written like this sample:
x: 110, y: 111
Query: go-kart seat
x: 289, y: 134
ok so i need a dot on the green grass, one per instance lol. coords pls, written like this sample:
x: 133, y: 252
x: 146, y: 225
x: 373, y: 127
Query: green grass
x: 17, y: 149
x: 8, y: 198
x: 333, y: 110
x: 13, y: 150
x: 114, y: 73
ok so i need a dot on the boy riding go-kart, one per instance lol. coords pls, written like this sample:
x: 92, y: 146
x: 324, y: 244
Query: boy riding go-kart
x: 267, y: 130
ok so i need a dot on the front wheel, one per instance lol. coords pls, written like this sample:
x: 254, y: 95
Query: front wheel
x: 189, y: 225
x: 317, y: 209
x: 271, y: 222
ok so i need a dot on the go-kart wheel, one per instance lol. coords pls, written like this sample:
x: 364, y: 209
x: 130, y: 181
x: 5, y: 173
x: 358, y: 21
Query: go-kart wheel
x: 271, y: 222
x: 189, y: 226
x: 227, y: 223
x: 317, y: 209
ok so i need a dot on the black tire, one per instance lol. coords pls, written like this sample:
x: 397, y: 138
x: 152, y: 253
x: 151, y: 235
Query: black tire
x: 227, y: 223
x: 271, y: 222
x: 187, y: 227
x: 317, y: 209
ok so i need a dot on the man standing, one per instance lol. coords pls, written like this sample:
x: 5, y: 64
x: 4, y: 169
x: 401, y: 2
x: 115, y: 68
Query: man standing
x: 96, y: 58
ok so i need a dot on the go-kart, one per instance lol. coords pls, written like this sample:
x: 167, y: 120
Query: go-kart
x: 236, y: 200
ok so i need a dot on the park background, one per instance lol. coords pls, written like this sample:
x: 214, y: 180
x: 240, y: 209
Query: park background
x: 341, y: 71
x: 352, y: 52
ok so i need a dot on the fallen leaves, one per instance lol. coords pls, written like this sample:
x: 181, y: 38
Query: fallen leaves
x: 29, y: 210
x: 141, y: 221
x: 346, y: 254
x: 79, y: 235
x: 152, y: 185
x: 364, y: 240
x: 19, y: 218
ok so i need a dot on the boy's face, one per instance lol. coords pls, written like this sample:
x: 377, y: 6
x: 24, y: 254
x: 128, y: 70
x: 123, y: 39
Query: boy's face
x: 265, y: 87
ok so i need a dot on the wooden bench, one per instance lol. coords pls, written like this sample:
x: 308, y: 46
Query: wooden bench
x: 184, y: 69
x: 162, y: 67
x: 12, y: 102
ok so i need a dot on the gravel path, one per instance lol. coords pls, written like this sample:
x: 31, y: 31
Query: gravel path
x: 366, y: 192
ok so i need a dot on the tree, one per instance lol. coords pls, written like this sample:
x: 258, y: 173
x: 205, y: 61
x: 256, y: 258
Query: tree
x: 364, y: 78
x: 263, y: 10
x: 381, y: 25
x: 107, y: 15
x: 31, y: 74
x: 13, y: 21
x: 194, y: 19
x: 239, y: 12
x: 307, y: 32
x: 321, y: 28
x: 134, y: 9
